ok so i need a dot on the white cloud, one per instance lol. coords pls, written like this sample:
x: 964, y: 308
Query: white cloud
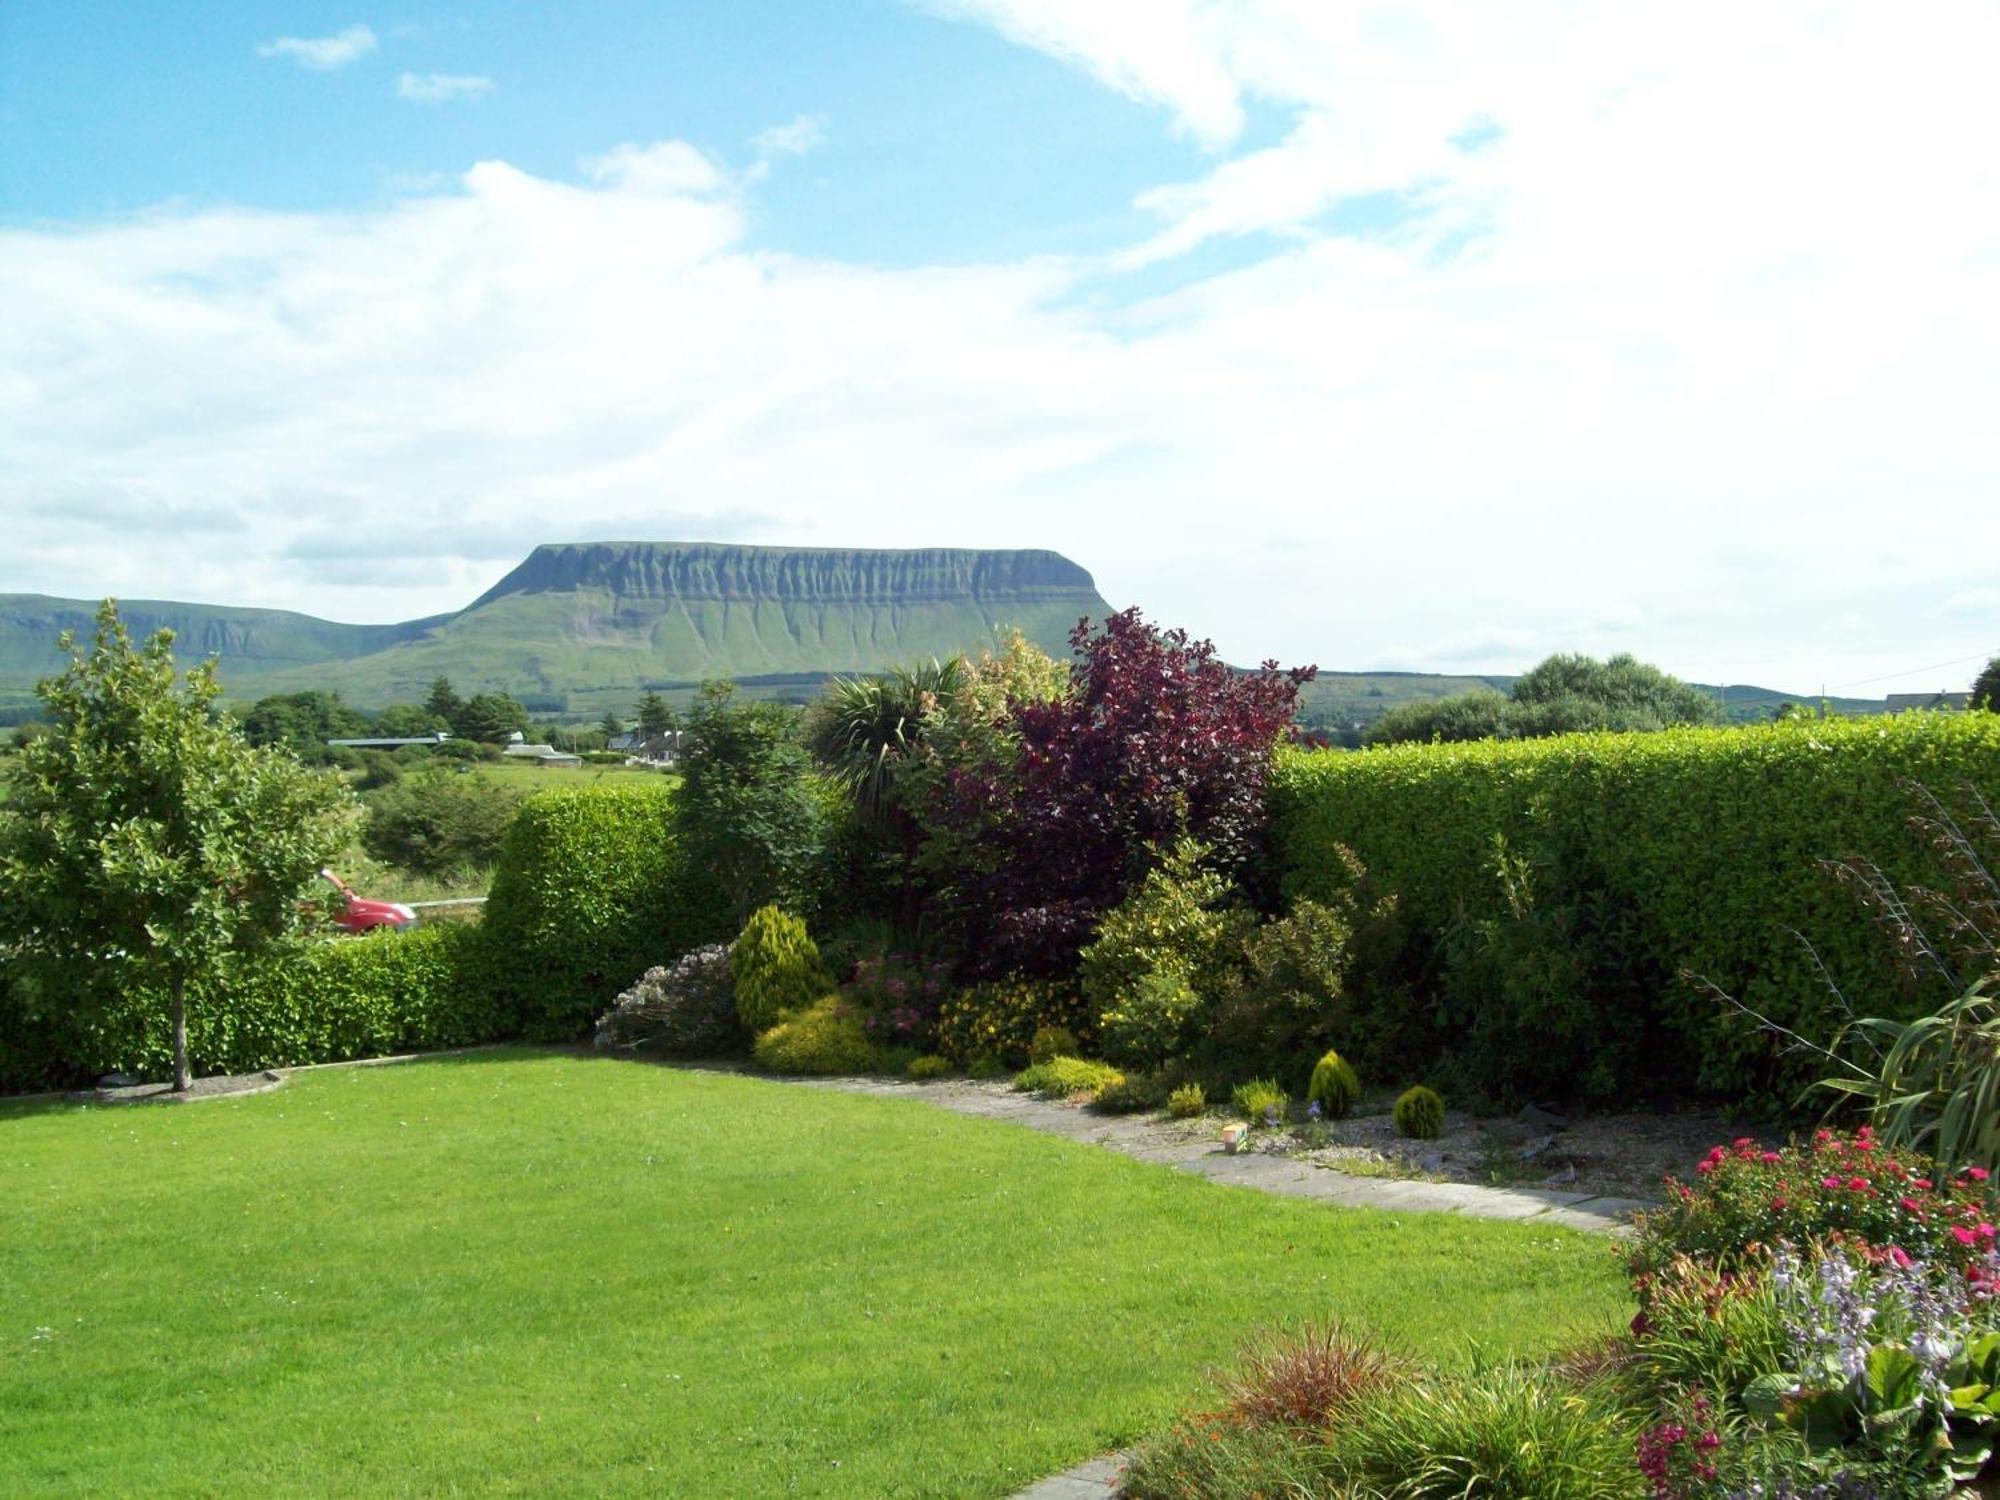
x: 443, y: 88
x: 1696, y: 357
x: 323, y: 52
x: 662, y: 167
x: 794, y: 139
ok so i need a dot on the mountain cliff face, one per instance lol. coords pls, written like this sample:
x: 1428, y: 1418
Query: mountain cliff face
x: 582, y: 626
x: 794, y: 575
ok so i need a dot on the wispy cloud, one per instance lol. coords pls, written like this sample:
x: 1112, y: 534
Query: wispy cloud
x: 323, y: 52
x: 443, y: 88
x: 795, y: 139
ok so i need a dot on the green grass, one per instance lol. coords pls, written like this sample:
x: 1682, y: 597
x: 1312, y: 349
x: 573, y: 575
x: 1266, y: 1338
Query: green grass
x: 536, y: 1274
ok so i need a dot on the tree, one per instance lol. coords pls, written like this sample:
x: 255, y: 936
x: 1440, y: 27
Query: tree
x: 444, y: 702
x: 439, y: 824
x: 655, y: 717
x: 1564, y: 694
x: 1986, y: 690
x: 303, y: 723
x: 145, y: 831
x: 490, y: 718
x: 746, y: 811
x: 408, y: 721
x: 611, y: 726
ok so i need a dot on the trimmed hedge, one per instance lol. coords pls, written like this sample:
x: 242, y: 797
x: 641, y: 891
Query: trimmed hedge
x: 330, y: 1001
x: 590, y: 892
x: 1644, y: 855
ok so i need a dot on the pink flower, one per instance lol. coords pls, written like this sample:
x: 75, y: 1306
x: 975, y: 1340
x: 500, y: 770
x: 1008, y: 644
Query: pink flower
x: 1770, y: 1157
x: 1923, y: 1182
x: 1963, y: 1235
x: 1777, y: 1205
x: 1977, y: 1174
x: 1704, y: 1167
x: 1857, y: 1184
x: 1912, y: 1206
x: 1829, y: 1183
x: 1899, y: 1256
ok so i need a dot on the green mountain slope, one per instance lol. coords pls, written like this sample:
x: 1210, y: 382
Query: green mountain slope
x: 582, y: 626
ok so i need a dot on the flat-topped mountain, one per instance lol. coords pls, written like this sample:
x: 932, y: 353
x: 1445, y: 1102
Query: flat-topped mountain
x: 583, y: 625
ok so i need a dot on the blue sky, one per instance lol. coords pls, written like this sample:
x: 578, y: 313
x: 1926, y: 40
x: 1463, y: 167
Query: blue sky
x: 1428, y: 334
x: 939, y: 141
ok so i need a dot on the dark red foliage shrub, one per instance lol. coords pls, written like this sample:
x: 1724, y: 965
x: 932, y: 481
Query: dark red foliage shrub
x: 1157, y: 738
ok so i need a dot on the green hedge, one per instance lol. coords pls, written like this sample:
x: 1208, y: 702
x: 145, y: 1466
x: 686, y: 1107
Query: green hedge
x: 330, y: 1001
x: 1648, y: 854
x: 590, y: 892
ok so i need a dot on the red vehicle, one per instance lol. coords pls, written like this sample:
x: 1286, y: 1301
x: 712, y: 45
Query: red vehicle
x: 358, y: 914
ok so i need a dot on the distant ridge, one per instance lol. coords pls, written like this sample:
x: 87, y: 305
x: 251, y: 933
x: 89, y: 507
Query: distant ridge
x: 580, y: 626
x: 577, y: 628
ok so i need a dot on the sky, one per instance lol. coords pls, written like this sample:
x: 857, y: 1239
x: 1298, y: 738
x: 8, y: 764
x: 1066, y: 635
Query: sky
x: 1432, y: 335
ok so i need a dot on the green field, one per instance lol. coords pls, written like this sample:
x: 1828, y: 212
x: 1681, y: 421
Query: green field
x: 536, y: 1274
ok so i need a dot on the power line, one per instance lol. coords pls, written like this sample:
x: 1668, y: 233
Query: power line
x: 1934, y: 666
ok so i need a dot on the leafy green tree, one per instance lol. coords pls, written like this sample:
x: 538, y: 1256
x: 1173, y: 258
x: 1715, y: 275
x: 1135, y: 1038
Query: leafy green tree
x: 443, y: 701
x: 1986, y: 690
x: 863, y: 727
x: 1565, y: 694
x: 611, y: 726
x: 303, y: 722
x: 655, y: 716
x: 145, y: 831
x: 409, y: 720
x: 746, y: 810
x: 489, y: 718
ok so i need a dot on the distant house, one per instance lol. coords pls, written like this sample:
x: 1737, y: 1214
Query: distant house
x: 1949, y: 703
x: 659, y: 749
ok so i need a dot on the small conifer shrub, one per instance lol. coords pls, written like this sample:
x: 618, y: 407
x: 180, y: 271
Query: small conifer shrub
x: 927, y: 1067
x: 1335, y: 1087
x: 1187, y: 1101
x: 776, y: 967
x: 1420, y: 1114
x: 1261, y: 1101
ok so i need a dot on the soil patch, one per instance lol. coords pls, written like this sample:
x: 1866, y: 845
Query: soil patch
x: 220, y: 1086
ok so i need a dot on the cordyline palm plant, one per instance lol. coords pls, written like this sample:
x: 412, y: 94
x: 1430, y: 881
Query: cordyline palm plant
x: 1934, y: 1083
x: 865, y: 724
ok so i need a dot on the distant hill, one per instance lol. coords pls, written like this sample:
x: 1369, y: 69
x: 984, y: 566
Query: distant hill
x: 582, y: 627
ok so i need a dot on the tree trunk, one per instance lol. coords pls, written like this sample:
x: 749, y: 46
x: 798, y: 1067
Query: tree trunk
x: 181, y: 1076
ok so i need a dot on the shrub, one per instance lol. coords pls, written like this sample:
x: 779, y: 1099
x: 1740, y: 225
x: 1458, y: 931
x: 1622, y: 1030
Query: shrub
x: 1419, y: 1114
x: 687, y: 1008
x: 1745, y: 1197
x: 1154, y: 1019
x: 1691, y: 849
x: 1155, y: 956
x: 927, y: 1067
x: 1334, y: 1087
x: 591, y: 889
x: 1052, y: 1041
x: 1214, y: 1458
x: 437, y: 823
x: 1066, y: 1077
x: 823, y: 1038
x: 1260, y: 1101
x: 1156, y: 739
x: 1187, y: 1102
x: 1503, y: 1432
x: 777, y: 968
x: 328, y: 1001
x: 748, y: 811
x: 998, y: 1020
x: 1285, y: 998
x: 899, y: 997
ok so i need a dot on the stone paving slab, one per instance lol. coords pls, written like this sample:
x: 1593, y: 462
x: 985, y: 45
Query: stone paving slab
x: 1094, y: 1480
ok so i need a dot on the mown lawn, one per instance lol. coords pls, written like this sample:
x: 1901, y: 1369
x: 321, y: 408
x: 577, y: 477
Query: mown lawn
x: 536, y: 1274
